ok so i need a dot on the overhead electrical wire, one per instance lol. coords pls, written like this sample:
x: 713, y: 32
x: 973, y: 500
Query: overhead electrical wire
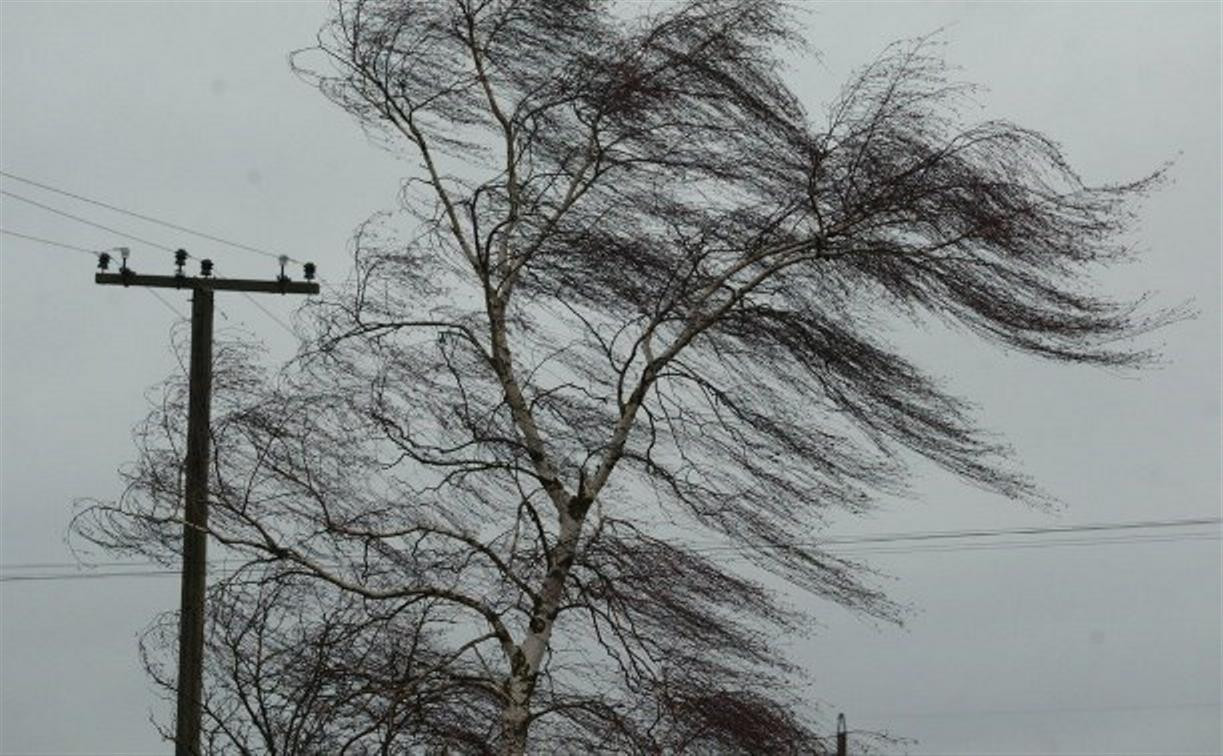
x: 1042, y: 710
x: 267, y: 312
x: 1008, y: 545
x: 145, y: 217
x: 73, y: 247
x: 150, y: 219
x: 1044, y: 538
x: 87, y: 222
x: 56, y: 576
x: 837, y: 550
x: 86, y: 576
x: 167, y: 303
x: 270, y: 314
x: 74, y: 565
x: 1039, y: 530
x: 51, y: 243
x: 95, y: 253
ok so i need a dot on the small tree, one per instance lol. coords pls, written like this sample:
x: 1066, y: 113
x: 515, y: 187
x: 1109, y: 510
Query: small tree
x: 640, y: 317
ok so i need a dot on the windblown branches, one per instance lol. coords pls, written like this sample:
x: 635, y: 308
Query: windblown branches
x: 295, y: 668
x: 642, y: 302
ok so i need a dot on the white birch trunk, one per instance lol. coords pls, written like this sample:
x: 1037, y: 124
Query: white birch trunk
x: 527, y: 657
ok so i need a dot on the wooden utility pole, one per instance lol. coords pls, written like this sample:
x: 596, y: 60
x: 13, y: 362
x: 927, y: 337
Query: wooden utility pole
x: 195, y: 526
x: 842, y: 737
x: 195, y: 506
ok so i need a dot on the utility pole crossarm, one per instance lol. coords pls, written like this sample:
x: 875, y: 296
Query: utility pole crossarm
x: 213, y: 284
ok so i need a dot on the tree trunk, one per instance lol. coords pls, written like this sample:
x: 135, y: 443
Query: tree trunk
x: 514, y: 718
x: 527, y: 657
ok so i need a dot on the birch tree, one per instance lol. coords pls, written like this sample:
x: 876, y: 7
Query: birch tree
x: 528, y: 485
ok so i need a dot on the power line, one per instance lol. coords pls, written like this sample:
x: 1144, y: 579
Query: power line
x: 982, y: 533
x: 74, y: 565
x: 75, y: 248
x: 991, y: 533
x: 79, y: 219
x: 169, y: 306
x: 58, y: 576
x: 913, y: 550
x: 144, y: 217
x: 95, y: 253
x: 893, y: 537
x: 149, y: 218
x: 736, y: 550
x: 270, y: 314
x: 221, y: 564
x: 996, y: 545
x: 86, y: 576
x: 141, y: 216
x: 1044, y: 710
x: 267, y: 312
x: 1051, y: 543
x: 51, y: 243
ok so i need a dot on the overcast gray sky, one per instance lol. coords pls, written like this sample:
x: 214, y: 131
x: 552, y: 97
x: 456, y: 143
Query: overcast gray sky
x: 188, y: 111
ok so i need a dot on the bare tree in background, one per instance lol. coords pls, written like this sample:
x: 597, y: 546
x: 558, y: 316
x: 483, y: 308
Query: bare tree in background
x: 513, y: 495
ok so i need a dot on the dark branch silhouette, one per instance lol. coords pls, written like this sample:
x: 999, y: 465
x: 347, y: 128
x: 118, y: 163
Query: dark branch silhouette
x: 639, y: 313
